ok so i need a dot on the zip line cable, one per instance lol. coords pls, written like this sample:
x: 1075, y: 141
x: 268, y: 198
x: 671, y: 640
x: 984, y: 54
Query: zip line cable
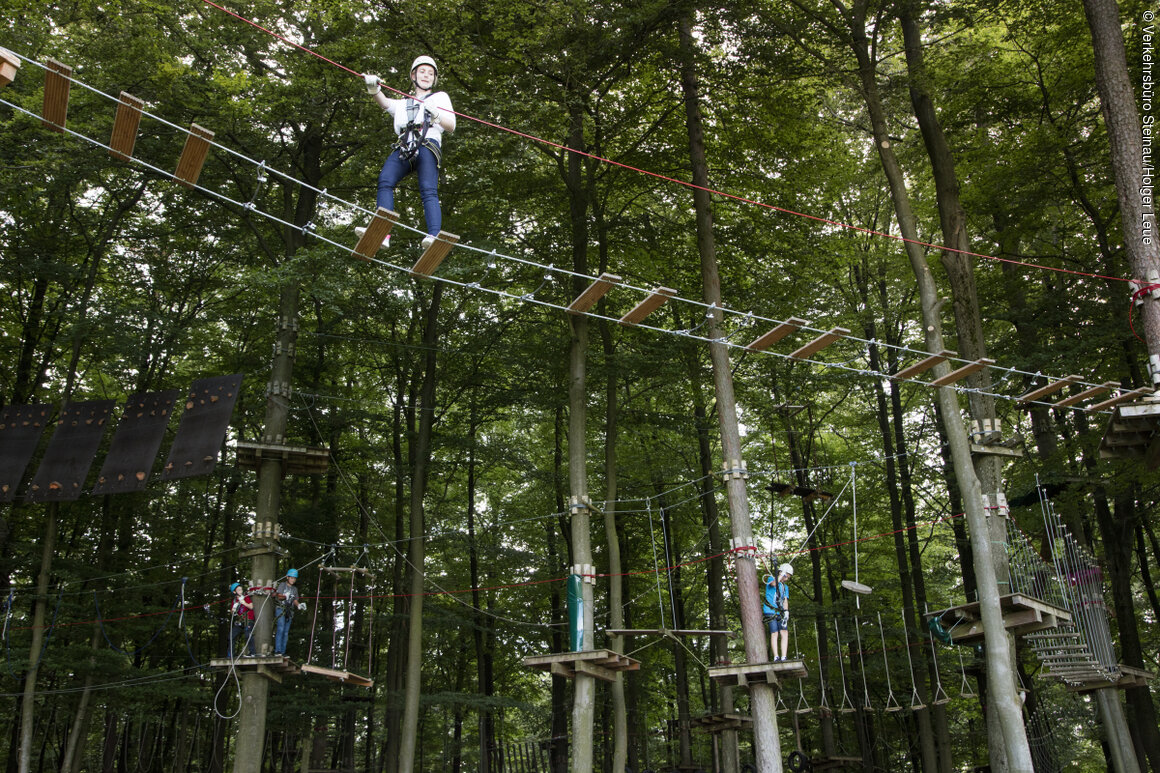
x: 684, y: 183
x: 747, y: 318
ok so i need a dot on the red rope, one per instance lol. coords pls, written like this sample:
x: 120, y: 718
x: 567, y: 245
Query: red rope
x: 685, y: 183
x: 1131, y: 304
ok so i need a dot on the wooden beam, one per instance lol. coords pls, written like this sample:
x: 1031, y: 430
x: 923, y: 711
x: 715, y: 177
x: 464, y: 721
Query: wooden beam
x: 1044, y: 391
x: 595, y: 292
x: 819, y: 343
x: 650, y: 304
x: 125, y: 126
x: 791, y: 325
x: 1079, y: 397
x: 9, y: 64
x: 377, y: 232
x: 193, y: 155
x: 434, y: 255
x: 961, y: 373
x: 1134, y: 394
x: 922, y: 366
x: 56, y: 86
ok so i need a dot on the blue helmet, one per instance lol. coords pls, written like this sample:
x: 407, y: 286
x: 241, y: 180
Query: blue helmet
x: 292, y: 573
x: 234, y: 587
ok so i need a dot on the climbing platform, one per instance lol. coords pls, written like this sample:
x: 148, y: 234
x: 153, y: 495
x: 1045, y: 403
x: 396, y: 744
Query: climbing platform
x: 719, y: 723
x: 1133, y: 432
x: 296, y: 460
x: 601, y: 664
x: 1129, y: 677
x: 1022, y: 614
x: 745, y: 674
x: 338, y: 675
x: 273, y: 667
x: 986, y: 438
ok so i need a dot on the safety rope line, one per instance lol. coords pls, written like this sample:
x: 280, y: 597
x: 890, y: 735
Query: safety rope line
x: 685, y: 183
x: 527, y: 298
x: 143, y: 647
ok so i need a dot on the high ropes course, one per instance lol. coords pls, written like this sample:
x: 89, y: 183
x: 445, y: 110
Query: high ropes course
x: 643, y: 301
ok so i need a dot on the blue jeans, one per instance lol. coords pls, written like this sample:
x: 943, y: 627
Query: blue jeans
x: 426, y: 167
x: 242, y: 629
x: 281, y: 631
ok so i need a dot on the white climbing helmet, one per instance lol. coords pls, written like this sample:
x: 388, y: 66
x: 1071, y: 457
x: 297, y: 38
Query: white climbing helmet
x: 428, y: 61
x: 785, y: 569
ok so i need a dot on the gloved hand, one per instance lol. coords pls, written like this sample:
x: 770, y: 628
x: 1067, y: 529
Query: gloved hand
x: 301, y: 606
x: 432, y: 115
x: 785, y: 617
x: 372, y: 82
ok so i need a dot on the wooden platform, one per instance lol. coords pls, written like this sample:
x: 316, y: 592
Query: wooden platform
x: 296, y: 460
x: 601, y: 664
x: 337, y: 675
x: 1129, y: 677
x: 273, y: 667
x: 1022, y: 614
x: 1134, y: 433
x: 833, y: 763
x: 719, y: 723
x: 745, y: 674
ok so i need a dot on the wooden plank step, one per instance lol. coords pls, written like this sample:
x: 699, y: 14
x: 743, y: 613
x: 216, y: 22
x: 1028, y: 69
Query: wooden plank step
x: 1050, y: 389
x: 1079, y: 397
x: 338, y: 675
x: 650, y: 304
x: 9, y: 64
x: 125, y: 126
x: 434, y: 255
x: 56, y: 88
x: 377, y: 231
x: 819, y: 343
x: 193, y: 155
x: 595, y: 291
x: 961, y: 373
x: 922, y: 366
x: 763, y: 342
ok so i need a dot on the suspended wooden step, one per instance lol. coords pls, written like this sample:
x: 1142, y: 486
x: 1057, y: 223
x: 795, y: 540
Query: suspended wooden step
x: 273, y: 667
x: 819, y: 343
x: 601, y: 664
x: 1086, y: 394
x: 595, y: 291
x: 745, y: 674
x: 805, y: 492
x: 56, y: 87
x: 987, y: 438
x: 961, y: 373
x: 1134, y: 432
x: 1022, y: 614
x: 193, y: 155
x: 337, y: 675
x: 434, y: 254
x: 790, y: 326
x: 125, y: 126
x: 296, y: 460
x: 375, y: 234
x: 9, y: 64
x: 650, y: 304
x: 719, y: 723
x: 922, y: 366
x: 1050, y: 389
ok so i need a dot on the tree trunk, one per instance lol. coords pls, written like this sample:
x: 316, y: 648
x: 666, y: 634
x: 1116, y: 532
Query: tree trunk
x: 761, y: 696
x: 1000, y: 671
x: 417, y: 552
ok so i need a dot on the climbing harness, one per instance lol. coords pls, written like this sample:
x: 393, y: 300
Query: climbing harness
x: 414, y: 135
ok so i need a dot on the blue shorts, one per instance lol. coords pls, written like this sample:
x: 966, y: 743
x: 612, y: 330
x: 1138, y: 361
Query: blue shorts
x: 775, y: 624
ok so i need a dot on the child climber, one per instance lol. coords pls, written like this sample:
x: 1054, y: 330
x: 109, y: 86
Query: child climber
x: 775, y: 610
x: 420, y: 121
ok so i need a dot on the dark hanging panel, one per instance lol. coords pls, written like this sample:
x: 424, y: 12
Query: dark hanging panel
x: 203, y: 427
x: 70, y: 452
x: 135, y: 446
x: 20, y: 428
